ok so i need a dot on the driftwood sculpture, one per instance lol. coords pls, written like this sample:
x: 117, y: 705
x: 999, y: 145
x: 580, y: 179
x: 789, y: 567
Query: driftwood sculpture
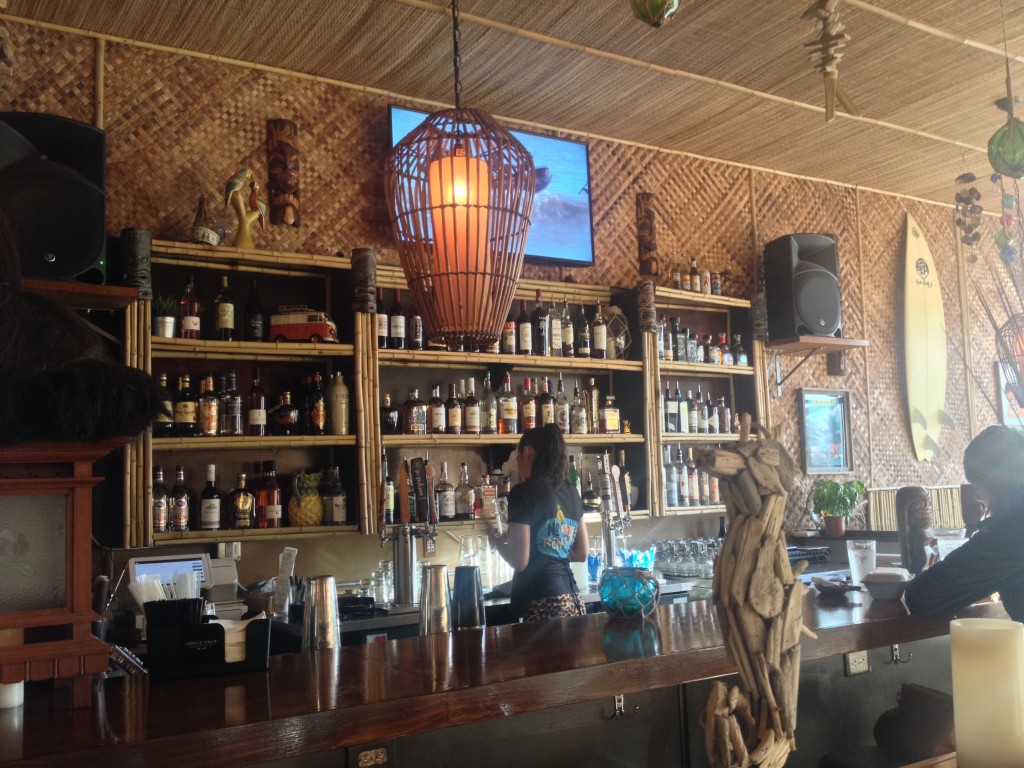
x: 759, y: 603
x: 826, y: 51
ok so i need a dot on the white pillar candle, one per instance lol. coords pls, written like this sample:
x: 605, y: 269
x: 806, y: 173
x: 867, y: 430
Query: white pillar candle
x: 988, y: 692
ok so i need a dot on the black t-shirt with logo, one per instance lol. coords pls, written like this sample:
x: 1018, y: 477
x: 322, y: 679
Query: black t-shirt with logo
x: 553, y: 514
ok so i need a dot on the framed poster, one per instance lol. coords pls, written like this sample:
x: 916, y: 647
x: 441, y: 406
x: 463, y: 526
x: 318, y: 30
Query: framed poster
x: 1010, y: 412
x: 825, y: 431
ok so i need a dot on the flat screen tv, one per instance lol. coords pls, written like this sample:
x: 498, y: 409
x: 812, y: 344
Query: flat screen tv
x: 560, y: 229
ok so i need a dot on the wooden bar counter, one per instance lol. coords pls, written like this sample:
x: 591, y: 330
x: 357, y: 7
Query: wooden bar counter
x: 308, y: 703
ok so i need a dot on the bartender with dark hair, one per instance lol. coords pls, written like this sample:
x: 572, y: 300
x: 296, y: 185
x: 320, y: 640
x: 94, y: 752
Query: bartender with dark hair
x: 993, y: 559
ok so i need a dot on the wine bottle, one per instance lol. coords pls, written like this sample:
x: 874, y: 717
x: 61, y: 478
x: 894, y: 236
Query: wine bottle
x: 209, y: 501
x: 694, y: 276
x: 694, y: 480
x: 471, y: 412
x: 188, y: 310
x: 671, y: 474
x: 599, y: 336
x: 160, y: 501
x: 257, y: 407
x: 453, y: 412
x: 436, y: 422
x: 568, y: 332
x: 240, y: 506
x: 255, y: 320
x: 555, y: 329
x: 382, y: 321
x: 178, y: 503
x: 185, y: 410
x: 582, y: 334
x: 524, y: 330
x: 684, y: 410
x: 224, y: 310
x: 333, y: 498
x: 540, y: 329
x: 508, y: 335
x: 396, y: 322
x: 684, y: 483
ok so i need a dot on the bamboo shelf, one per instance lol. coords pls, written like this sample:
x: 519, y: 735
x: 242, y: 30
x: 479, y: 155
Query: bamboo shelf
x: 699, y: 438
x: 703, y: 369
x: 284, y: 351
x: 253, y: 534
x: 246, y: 442
x: 400, y: 358
x: 396, y: 441
x: 707, y: 509
x: 670, y: 298
x: 272, y: 262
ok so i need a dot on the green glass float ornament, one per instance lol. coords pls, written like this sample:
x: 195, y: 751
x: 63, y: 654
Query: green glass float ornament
x: 654, y: 12
x: 1006, y: 149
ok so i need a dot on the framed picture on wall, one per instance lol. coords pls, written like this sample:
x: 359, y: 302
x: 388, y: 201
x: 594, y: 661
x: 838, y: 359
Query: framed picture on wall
x: 825, y: 431
x: 1010, y: 412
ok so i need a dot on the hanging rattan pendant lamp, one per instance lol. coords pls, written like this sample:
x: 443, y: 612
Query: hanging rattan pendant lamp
x: 460, y: 193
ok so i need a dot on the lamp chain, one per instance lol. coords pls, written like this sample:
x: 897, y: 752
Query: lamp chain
x: 456, y: 58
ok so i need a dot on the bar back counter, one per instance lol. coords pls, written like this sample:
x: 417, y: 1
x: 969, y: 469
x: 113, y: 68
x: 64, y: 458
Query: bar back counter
x: 540, y: 694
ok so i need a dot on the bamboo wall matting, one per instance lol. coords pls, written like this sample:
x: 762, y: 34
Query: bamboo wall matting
x: 53, y: 73
x: 881, y: 515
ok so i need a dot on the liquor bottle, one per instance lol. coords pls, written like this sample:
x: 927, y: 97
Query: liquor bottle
x: 445, y: 494
x: 578, y: 421
x: 387, y: 491
x: 679, y: 336
x: 604, y: 483
x: 671, y: 411
x: 465, y: 495
x: 724, y: 416
x: 414, y: 329
x: 527, y: 407
x: 255, y: 320
x: 224, y: 311
x: 546, y: 405
x: 160, y: 501
x: 627, y: 482
x: 727, y: 356
x: 488, y: 408
x: 608, y: 417
x: 396, y: 322
x: 240, y: 506
x: 178, y: 503
x: 268, y: 497
x: 582, y: 334
x: 524, y: 330
x: 739, y: 354
x: 508, y: 408
x: 591, y: 499
x: 691, y: 405
x: 693, y: 476
x: 333, y: 498
x: 188, y: 310
x: 685, y: 283
x: 574, y: 475
x: 670, y: 337
x: 339, y: 404
x: 702, y: 412
x: 721, y: 527
x: 593, y: 404
x: 561, y: 407
x: 555, y: 330
x: 684, y: 499
x: 203, y: 228
x: 383, y: 323
x: 714, y: 351
x: 708, y: 344
x: 705, y: 281
x: 231, y: 422
x: 694, y: 276
x: 540, y: 329
x: 486, y: 498
x: 283, y: 418
x: 209, y: 501
x: 414, y: 415
x: 256, y: 404
x: 508, y: 335
x: 684, y: 410
x: 185, y: 410
x: 436, y: 422
x: 453, y: 412
x: 692, y: 347
x: 209, y: 408
x: 164, y: 424
x: 390, y: 419
x: 671, y: 474
x: 599, y: 335
x: 471, y: 411
x: 714, y: 415
x: 317, y: 407
x: 568, y: 331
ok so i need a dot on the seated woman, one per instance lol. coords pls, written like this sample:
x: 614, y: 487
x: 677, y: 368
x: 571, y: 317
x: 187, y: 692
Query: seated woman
x: 991, y: 560
x: 545, y: 530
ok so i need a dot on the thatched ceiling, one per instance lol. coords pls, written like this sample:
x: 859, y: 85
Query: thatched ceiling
x: 726, y: 79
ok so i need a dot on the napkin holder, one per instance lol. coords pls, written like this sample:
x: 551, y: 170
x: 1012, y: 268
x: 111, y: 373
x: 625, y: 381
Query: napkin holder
x: 197, y: 650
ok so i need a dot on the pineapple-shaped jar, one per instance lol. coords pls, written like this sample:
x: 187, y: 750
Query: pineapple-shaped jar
x: 305, y: 507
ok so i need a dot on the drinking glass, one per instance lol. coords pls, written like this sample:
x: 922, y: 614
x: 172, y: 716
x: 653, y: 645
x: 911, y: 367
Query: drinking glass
x: 594, y: 561
x: 861, y: 553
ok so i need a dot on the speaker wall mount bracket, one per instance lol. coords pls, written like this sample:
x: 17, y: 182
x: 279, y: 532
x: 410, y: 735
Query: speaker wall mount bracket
x: 808, y: 346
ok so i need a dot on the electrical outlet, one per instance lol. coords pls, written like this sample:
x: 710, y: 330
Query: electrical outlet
x: 232, y: 549
x: 856, y: 663
x: 429, y: 547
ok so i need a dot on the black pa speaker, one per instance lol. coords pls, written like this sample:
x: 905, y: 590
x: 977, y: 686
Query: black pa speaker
x: 53, y: 195
x: 802, y: 287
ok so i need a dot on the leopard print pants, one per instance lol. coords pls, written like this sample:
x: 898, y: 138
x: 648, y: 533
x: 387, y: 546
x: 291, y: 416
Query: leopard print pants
x: 552, y: 607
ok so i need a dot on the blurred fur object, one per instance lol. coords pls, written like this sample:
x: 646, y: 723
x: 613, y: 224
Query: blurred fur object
x: 57, y: 382
x: 6, y: 55
x: 283, y: 162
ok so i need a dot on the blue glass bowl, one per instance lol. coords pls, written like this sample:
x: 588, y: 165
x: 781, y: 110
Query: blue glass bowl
x: 628, y: 591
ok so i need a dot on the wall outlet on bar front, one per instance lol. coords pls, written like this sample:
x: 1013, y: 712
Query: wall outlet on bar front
x: 856, y: 663
x: 429, y: 547
x: 232, y: 549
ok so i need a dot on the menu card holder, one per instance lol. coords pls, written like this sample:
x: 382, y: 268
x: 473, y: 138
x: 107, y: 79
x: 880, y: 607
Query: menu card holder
x: 197, y: 650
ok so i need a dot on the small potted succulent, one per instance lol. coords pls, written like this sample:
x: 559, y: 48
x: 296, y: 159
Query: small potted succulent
x: 165, y: 315
x: 835, y: 502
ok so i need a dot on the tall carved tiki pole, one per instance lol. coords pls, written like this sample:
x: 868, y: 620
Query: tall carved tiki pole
x: 283, y: 162
x: 759, y: 603
x: 646, y: 234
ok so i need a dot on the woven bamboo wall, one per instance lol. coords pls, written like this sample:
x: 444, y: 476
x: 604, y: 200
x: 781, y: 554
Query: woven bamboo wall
x: 179, y: 126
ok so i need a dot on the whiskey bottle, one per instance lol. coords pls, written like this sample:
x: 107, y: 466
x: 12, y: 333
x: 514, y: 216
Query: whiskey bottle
x: 445, y: 494
x: 188, y: 310
x: 160, y: 501
x: 582, y: 334
x: 396, y: 323
x: 317, y: 407
x: 471, y: 411
x: 390, y: 418
x: 333, y: 498
x: 436, y: 422
x: 209, y: 408
x: 240, y: 507
x: 382, y: 321
x: 257, y: 407
x: 694, y: 276
x: 738, y: 352
x: 488, y: 408
x: 465, y: 495
x: 546, y: 404
x: 231, y: 422
x: 527, y: 407
x: 453, y: 413
x: 508, y: 409
x: 178, y: 503
x: 186, y: 407
x: 164, y: 424
x: 224, y: 311
x: 540, y: 329
x: 255, y: 320
x: 524, y: 330
x: 599, y: 336
x: 414, y: 415
x: 209, y: 501
x: 339, y: 405
x: 608, y: 417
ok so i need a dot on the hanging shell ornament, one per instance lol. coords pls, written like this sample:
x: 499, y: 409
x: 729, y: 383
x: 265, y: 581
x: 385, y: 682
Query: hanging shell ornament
x: 654, y: 12
x: 826, y: 51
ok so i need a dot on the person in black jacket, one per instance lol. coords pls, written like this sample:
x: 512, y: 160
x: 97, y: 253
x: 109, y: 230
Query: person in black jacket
x: 545, y: 530
x: 993, y: 559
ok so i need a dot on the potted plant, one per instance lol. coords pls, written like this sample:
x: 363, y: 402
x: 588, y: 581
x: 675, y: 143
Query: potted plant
x: 835, y: 501
x: 165, y: 315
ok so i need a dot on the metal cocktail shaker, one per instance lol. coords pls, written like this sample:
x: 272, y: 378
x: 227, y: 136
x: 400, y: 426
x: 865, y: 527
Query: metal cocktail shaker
x: 321, y: 627
x: 435, y: 601
x: 468, y: 599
